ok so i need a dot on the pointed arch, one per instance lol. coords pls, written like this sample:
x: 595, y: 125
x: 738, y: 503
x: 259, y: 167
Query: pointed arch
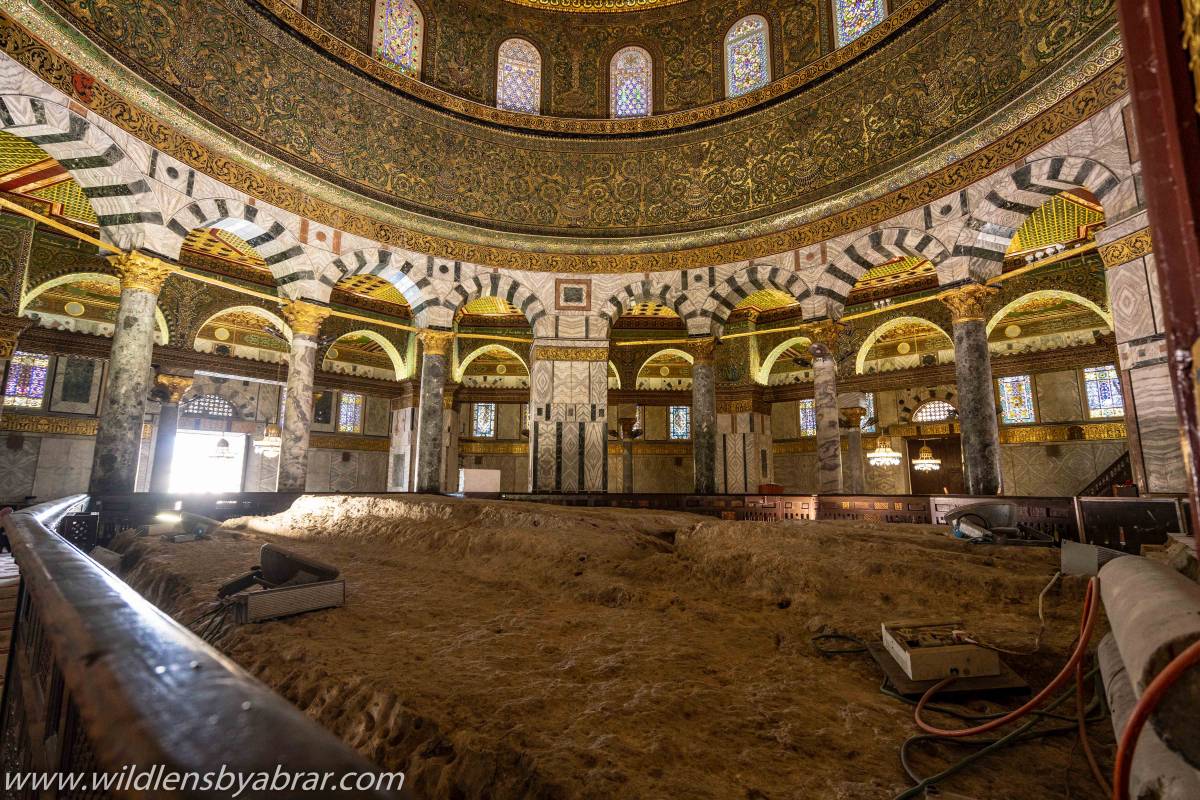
x: 614, y: 374
x: 666, y: 351
x: 163, y: 332
x: 647, y: 291
x: 737, y: 287
x: 1057, y: 294
x: 378, y: 338
x: 392, y: 268
x: 126, y: 208
x: 285, y: 256
x: 995, y: 218
x: 494, y: 284
x: 519, y: 76
x: 768, y: 364
x: 860, y: 360
x: 461, y: 369
x: 259, y: 311
x: 872, y: 249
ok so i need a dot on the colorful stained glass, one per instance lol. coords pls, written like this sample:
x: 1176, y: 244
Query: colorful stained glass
x: 630, y: 76
x: 1103, y: 388
x: 808, y: 417
x: 933, y: 411
x: 399, y: 29
x: 519, y: 77
x: 679, y: 419
x: 26, y: 385
x: 350, y: 413
x: 853, y: 18
x: 747, y: 56
x: 867, y: 426
x: 483, y: 420
x: 1016, y: 400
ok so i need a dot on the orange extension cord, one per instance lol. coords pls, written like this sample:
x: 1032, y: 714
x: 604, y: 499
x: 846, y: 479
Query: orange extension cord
x: 1146, y: 704
x: 1091, y: 603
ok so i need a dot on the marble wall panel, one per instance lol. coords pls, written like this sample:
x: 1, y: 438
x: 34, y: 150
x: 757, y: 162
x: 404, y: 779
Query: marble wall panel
x: 1058, y: 396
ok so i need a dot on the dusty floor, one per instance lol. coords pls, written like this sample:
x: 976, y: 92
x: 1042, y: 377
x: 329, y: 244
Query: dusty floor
x: 526, y: 651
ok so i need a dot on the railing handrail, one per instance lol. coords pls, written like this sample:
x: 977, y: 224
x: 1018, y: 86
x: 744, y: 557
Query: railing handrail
x: 149, y: 692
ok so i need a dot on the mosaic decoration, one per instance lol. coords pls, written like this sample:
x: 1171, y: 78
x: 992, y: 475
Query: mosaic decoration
x: 747, y: 56
x: 26, y: 385
x: 350, y: 413
x: 867, y: 425
x: 1065, y: 219
x: 1016, y: 400
x: 519, y: 77
x: 933, y: 411
x: 808, y: 417
x: 1104, y: 396
x: 208, y: 405
x: 853, y: 18
x: 399, y: 29
x: 679, y: 419
x: 483, y: 420
x: 630, y: 76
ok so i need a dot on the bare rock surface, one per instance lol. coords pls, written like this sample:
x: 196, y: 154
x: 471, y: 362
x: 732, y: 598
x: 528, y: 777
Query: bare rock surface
x: 517, y: 650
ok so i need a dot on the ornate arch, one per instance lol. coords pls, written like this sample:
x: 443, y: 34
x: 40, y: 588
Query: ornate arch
x: 285, y: 256
x: 647, y: 291
x: 390, y: 267
x: 872, y: 249
x: 860, y: 360
x: 1057, y: 294
x: 461, y: 369
x: 389, y: 349
x: 768, y: 364
x: 494, y: 284
x: 265, y: 313
x: 995, y: 218
x: 120, y: 194
x: 745, y: 282
x: 163, y: 330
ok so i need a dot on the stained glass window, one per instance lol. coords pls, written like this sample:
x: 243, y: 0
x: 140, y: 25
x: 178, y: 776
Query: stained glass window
x: 853, y: 18
x: 679, y: 418
x: 630, y: 77
x: 483, y: 420
x: 350, y: 413
x: 519, y: 77
x: 867, y: 425
x: 933, y: 411
x: 209, y: 405
x: 26, y: 385
x: 747, y: 56
x: 808, y: 417
x: 1103, y: 388
x: 1016, y: 400
x: 399, y: 28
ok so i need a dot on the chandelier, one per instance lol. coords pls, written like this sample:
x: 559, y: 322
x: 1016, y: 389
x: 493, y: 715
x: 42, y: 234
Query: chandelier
x: 270, y: 442
x: 883, y: 456
x: 925, y: 462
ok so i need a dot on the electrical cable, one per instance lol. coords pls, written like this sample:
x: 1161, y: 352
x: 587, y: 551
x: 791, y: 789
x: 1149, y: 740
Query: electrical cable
x: 1081, y: 717
x: 1037, y: 640
x: 859, y: 645
x: 1152, y: 695
x: 1087, y: 623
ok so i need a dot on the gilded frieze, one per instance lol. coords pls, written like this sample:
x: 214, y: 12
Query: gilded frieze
x: 1127, y: 248
x: 323, y: 441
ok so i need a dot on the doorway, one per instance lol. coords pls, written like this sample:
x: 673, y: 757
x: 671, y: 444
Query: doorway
x: 948, y: 479
x: 207, y: 462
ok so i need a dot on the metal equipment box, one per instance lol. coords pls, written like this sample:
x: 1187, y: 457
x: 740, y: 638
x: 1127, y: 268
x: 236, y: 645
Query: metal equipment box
x: 287, y: 600
x: 929, y: 651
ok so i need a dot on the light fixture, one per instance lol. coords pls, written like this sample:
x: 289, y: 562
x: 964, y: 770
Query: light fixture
x: 271, y: 441
x: 883, y: 456
x: 925, y: 462
x: 222, y: 450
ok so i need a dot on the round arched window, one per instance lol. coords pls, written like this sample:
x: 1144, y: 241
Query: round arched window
x: 933, y: 411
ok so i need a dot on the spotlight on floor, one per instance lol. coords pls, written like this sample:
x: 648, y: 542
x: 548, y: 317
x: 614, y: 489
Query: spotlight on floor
x: 186, y: 527
x: 291, y: 584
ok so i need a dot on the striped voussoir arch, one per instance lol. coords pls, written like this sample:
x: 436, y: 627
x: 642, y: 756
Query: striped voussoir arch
x: 997, y: 216
x: 118, y: 192
x: 285, y: 256
x: 875, y: 248
x: 648, y: 292
x: 493, y: 284
x: 390, y: 267
x: 745, y: 282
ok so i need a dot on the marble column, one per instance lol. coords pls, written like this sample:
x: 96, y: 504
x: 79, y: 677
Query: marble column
x: 431, y: 421
x: 169, y: 390
x: 824, y: 336
x: 627, y: 437
x: 976, y: 392
x: 119, y: 436
x: 851, y: 418
x: 305, y: 320
x: 704, y: 416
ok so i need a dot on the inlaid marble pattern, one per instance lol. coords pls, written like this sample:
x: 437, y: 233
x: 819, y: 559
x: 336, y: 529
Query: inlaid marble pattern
x: 568, y: 421
x: 1158, y: 429
x: 743, y: 449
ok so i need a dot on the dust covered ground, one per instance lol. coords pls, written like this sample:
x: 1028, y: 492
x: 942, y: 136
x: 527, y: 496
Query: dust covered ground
x: 516, y: 650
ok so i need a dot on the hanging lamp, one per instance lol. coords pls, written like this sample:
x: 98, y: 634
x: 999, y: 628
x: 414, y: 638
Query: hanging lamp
x: 883, y: 456
x: 925, y: 461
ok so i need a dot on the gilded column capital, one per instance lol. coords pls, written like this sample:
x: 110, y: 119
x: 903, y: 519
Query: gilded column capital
x: 702, y: 349
x: 966, y: 303
x: 305, y: 318
x: 824, y: 336
x: 139, y: 271
x: 172, y: 387
x: 852, y: 417
x: 435, y: 343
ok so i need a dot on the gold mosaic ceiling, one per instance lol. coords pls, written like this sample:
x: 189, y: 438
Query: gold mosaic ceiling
x: 374, y: 287
x: 1065, y: 219
x: 766, y: 300
x: 26, y: 169
x: 650, y: 310
x: 222, y: 244
x: 490, y: 307
x: 594, y: 6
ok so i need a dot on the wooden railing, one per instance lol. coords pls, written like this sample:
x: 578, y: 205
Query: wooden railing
x: 1118, y: 473
x: 99, y: 680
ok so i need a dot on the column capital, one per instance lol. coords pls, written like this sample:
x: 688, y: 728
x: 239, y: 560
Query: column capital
x: 172, y: 386
x: 139, y: 271
x: 966, y: 303
x: 702, y: 349
x: 435, y: 343
x: 824, y: 335
x: 305, y: 318
x: 10, y: 329
x: 852, y: 417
